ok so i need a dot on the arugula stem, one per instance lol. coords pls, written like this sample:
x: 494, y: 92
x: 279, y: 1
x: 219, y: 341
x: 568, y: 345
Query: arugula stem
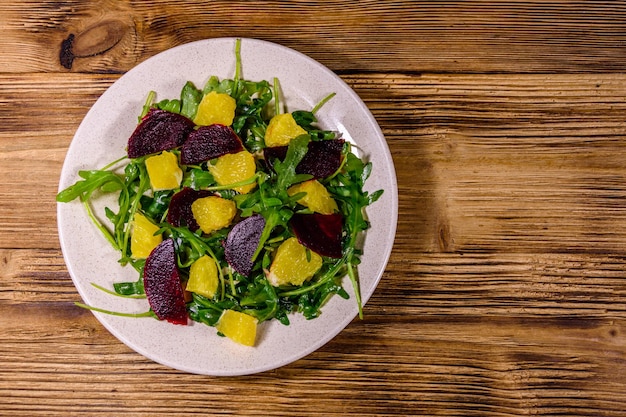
x: 148, y: 313
x: 147, y: 104
x: 101, y: 288
x: 120, y: 224
x: 247, y: 181
x: 276, y: 96
x: 332, y: 272
x: 270, y: 223
x: 355, y: 284
x: 231, y: 281
x: 144, y: 183
x: 237, y: 76
x: 321, y: 103
x: 107, y: 234
x: 112, y: 164
x: 354, y: 231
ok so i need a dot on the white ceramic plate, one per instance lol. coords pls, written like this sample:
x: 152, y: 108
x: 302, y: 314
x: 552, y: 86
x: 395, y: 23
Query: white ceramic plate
x: 102, y: 138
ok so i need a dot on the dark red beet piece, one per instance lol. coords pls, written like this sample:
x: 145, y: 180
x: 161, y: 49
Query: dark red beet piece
x: 242, y: 242
x: 322, y: 159
x: 319, y: 232
x: 208, y: 142
x: 162, y: 284
x: 158, y: 131
x: 179, y: 212
x: 275, y: 152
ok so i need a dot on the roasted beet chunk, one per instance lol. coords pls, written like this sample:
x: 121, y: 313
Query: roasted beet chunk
x: 179, y: 212
x: 162, y: 284
x: 158, y: 131
x: 322, y: 159
x: 321, y: 233
x: 208, y: 142
x: 242, y: 242
x: 275, y: 152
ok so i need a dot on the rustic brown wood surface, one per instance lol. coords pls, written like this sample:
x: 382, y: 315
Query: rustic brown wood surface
x: 505, y: 294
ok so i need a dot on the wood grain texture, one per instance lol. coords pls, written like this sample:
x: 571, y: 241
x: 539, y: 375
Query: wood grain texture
x: 504, y: 294
x: 441, y: 365
x: 38, y: 117
x: 388, y: 36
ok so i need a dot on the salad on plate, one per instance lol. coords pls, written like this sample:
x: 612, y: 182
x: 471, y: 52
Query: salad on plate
x: 232, y: 209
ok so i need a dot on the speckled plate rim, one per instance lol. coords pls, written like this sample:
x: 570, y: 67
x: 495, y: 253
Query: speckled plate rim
x: 102, y: 137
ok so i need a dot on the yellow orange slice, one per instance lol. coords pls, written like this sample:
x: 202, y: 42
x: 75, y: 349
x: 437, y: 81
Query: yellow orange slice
x: 292, y: 265
x: 234, y: 167
x: 142, y: 238
x: 317, y: 197
x: 281, y: 129
x: 215, y: 108
x: 164, y: 171
x: 203, y: 277
x: 213, y: 213
x: 237, y: 326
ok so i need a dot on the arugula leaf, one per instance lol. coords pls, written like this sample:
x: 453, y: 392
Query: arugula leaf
x: 172, y: 106
x: 286, y: 170
x: 307, y: 120
x: 252, y: 99
x: 130, y: 288
x: 304, y: 118
x: 347, y: 187
x: 206, y: 311
x: 92, y: 181
x: 214, y: 84
x: 156, y: 206
x: 260, y: 299
x: 198, y: 178
x: 190, y: 98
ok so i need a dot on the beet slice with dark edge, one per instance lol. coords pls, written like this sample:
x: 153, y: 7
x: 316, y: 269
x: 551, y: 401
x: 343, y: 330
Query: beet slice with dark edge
x: 162, y: 284
x: 322, y: 159
x: 208, y: 142
x: 159, y: 130
x: 321, y: 233
x: 241, y: 243
x: 179, y: 212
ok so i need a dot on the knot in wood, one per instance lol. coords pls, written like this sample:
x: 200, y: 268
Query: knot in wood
x: 94, y: 40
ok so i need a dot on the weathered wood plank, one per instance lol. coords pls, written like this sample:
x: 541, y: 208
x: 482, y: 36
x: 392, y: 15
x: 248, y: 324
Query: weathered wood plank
x: 39, y: 114
x: 389, y: 36
x: 467, y: 365
x: 523, y: 163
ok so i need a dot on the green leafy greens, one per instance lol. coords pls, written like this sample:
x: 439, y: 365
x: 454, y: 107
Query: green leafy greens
x: 256, y: 103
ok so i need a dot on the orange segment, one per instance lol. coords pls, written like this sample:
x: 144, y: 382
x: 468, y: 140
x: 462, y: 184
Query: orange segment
x: 317, y: 197
x: 234, y: 167
x: 216, y: 108
x: 213, y: 213
x: 237, y: 326
x: 281, y: 129
x: 164, y: 172
x: 203, y: 278
x: 142, y: 238
x: 291, y: 266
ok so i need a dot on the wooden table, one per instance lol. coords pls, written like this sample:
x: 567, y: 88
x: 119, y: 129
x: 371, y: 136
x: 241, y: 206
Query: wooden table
x: 505, y: 293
